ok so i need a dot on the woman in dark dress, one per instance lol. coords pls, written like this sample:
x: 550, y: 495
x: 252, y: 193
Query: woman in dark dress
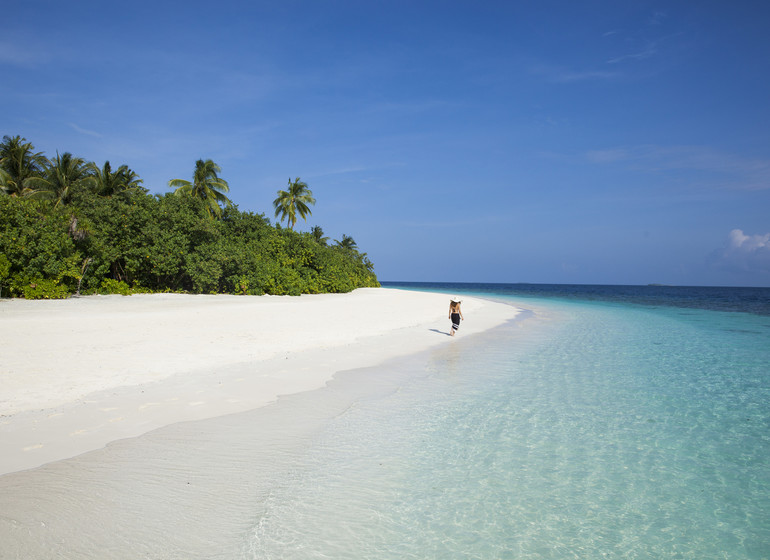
x: 455, y: 314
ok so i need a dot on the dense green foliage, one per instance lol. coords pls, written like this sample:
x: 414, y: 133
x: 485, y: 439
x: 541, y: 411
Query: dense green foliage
x: 81, y: 229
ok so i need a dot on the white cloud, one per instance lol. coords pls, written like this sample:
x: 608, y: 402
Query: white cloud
x: 647, y: 52
x: 567, y: 76
x: 76, y: 128
x: 740, y: 241
x: 744, y: 253
x: 559, y: 74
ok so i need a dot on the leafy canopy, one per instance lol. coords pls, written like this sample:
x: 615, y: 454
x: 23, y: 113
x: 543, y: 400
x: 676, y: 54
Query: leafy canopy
x: 18, y: 162
x: 318, y: 234
x: 64, y: 175
x: 109, y: 183
x: 347, y: 243
x: 75, y: 227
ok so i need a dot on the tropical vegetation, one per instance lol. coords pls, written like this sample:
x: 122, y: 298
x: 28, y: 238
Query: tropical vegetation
x: 68, y: 226
x: 297, y: 199
x: 19, y: 162
x: 206, y: 186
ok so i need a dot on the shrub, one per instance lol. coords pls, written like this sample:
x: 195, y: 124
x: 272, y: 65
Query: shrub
x: 43, y: 289
x: 111, y: 286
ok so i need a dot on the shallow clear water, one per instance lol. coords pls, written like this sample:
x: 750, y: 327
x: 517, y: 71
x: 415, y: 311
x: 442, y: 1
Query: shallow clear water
x: 597, y: 429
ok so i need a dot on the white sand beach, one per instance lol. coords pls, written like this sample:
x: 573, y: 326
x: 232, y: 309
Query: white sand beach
x: 77, y: 374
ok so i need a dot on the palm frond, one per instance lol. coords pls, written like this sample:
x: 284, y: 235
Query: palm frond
x: 206, y: 186
x: 293, y: 201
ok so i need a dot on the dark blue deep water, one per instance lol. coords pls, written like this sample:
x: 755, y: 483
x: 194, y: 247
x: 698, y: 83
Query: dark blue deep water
x: 744, y: 300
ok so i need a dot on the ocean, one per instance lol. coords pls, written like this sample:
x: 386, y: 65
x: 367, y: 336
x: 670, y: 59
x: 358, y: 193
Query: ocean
x: 612, y: 422
x: 603, y: 422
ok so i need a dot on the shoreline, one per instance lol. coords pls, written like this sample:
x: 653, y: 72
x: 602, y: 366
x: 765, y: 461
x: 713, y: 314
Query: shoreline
x: 84, y: 372
x: 192, y: 489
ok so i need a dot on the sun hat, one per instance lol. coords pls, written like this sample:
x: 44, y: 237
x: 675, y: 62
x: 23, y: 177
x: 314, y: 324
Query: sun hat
x: 456, y: 299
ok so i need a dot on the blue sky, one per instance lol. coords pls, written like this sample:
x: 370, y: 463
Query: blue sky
x: 614, y: 142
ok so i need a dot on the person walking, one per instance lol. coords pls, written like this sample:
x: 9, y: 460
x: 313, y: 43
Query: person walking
x: 455, y: 314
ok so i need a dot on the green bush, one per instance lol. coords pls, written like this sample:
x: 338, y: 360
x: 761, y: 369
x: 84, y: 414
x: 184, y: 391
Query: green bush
x: 112, y: 286
x: 36, y: 241
x: 42, y: 289
x: 5, y: 271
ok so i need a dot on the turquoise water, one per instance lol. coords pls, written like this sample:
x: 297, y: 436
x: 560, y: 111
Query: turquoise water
x: 597, y: 428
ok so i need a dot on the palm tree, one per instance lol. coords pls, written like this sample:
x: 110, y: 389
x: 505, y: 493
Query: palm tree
x: 20, y: 162
x: 318, y: 234
x: 294, y: 201
x: 130, y: 181
x: 108, y: 183
x: 347, y: 243
x: 206, y: 185
x: 5, y: 182
x: 62, y: 176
